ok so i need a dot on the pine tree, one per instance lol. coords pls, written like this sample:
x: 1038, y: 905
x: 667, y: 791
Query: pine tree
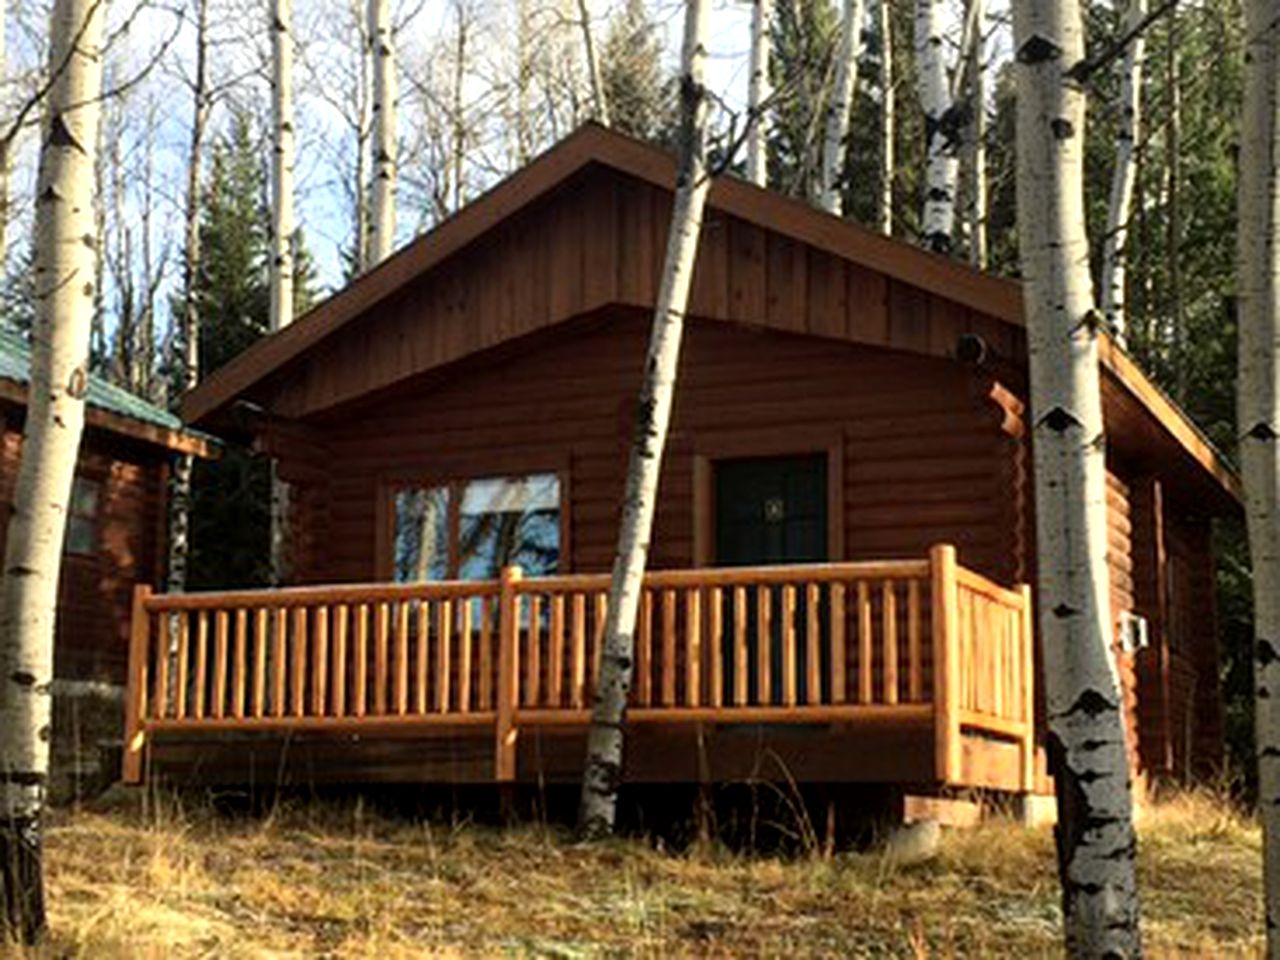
x: 640, y: 95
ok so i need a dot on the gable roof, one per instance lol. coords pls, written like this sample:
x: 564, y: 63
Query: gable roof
x: 108, y: 406
x: 592, y: 146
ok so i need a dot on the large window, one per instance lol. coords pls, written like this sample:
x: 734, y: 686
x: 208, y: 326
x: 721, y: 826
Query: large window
x: 471, y: 529
x: 82, y: 517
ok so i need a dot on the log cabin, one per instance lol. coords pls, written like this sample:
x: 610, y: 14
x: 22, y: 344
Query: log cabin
x: 115, y: 540
x: 842, y: 564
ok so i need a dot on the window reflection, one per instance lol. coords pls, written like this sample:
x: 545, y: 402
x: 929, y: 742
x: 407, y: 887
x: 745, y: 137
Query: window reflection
x: 472, y: 529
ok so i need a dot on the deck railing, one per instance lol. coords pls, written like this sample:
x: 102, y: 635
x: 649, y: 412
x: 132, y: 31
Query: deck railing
x: 896, y: 640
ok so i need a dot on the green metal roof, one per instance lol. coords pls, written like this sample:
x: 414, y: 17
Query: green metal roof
x: 15, y: 365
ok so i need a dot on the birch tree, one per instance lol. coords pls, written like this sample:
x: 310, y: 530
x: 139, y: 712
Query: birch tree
x: 1115, y: 245
x: 282, y: 230
x: 1258, y: 285
x: 974, y: 85
x: 64, y: 280
x: 188, y: 360
x: 599, y: 105
x: 382, y: 207
x: 1084, y: 707
x: 836, y: 137
x: 758, y: 92
x: 884, y: 11
x: 941, y: 136
x: 4, y: 149
x: 603, y: 772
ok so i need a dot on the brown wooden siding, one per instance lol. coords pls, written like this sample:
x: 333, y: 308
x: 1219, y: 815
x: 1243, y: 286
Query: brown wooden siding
x: 95, y: 593
x: 925, y: 444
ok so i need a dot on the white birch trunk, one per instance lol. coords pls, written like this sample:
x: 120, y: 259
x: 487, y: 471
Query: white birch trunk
x: 599, y: 102
x: 189, y: 359
x: 364, y: 132
x: 835, y: 140
x: 4, y: 150
x: 1258, y: 285
x: 603, y: 771
x: 887, y: 117
x: 1115, y: 250
x: 282, y: 230
x: 64, y: 286
x: 382, y: 212
x: 976, y: 133
x: 1083, y: 701
x: 941, y: 134
x: 759, y: 89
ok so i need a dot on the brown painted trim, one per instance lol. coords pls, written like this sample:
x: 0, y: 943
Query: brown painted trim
x: 1167, y: 413
x: 175, y: 440
x: 764, y: 443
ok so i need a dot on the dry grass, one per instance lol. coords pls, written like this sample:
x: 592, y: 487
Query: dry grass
x: 338, y: 882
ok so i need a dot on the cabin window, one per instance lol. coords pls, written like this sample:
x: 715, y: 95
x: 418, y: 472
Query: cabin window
x: 471, y: 529
x: 82, y: 517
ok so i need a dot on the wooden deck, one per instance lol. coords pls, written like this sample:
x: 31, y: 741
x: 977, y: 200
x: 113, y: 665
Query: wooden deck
x: 912, y: 671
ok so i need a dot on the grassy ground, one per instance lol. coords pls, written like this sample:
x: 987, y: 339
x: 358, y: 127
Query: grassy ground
x: 326, y: 880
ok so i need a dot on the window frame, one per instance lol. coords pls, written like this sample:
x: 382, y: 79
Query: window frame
x: 93, y: 519
x: 456, y: 480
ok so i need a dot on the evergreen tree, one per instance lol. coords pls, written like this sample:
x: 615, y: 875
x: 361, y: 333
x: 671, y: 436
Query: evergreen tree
x: 640, y: 94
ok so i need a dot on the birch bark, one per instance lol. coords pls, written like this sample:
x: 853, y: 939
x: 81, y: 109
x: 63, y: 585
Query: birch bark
x: 603, y: 771
x: 758, y: 92
x: 599, y: 103
x: 975, y: 110
x: 382, y: 212
x: 835, y: 142
x: 1115, y: 247
x: 64, y: 285
x: 887, y: 116
x: 942, y: 137
x: 282, y: 231
x: 1084, y: 707
x: 189, y: 340
x: 1258, y: 272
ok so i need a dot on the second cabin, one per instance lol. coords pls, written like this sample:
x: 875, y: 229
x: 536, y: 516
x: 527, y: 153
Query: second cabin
x: 843, y: 541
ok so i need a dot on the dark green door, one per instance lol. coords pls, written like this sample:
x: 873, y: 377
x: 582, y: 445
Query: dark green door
x: 771, y: 510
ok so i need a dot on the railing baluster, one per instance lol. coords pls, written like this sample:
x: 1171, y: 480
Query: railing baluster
x: 381, y: 629
x: 241, y: 686
x: 444, y: 654
x: 422, y: 659
x: 220, y: 664
x: 163, y: 634
x: 486, y: 656
x: 578, y: 645
x: 400, y: 658
x: 597, y: 644
x: 299, y: 685
x: 889, y: 611
x: 915, y: 666
x: 555, y: 651
x: 135, y: 705
x: 340, y: 623
x: 464, y: 654
x: 202, y: 662
x: 866, y: 674
x: 180, y: 706
x: 813, y: 644
x: 715, y: 643
x: 533, y: 655
x: 668, y: 648
x: 789, y: 645
x: 320, y: 663
x: 740, y: 646
x: 644, y: 650
x: 360, y: 676
x: 260, y: 662
x: 279, y: 663
x: 839, y: 645
x: 693, y: 647
x: 764, y: 645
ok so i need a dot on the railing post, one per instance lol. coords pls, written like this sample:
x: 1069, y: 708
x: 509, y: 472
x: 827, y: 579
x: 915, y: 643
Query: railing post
x: 508, y: 676
x: 135, y: 702
x: 1028, y: 689
x: 946, y: 662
